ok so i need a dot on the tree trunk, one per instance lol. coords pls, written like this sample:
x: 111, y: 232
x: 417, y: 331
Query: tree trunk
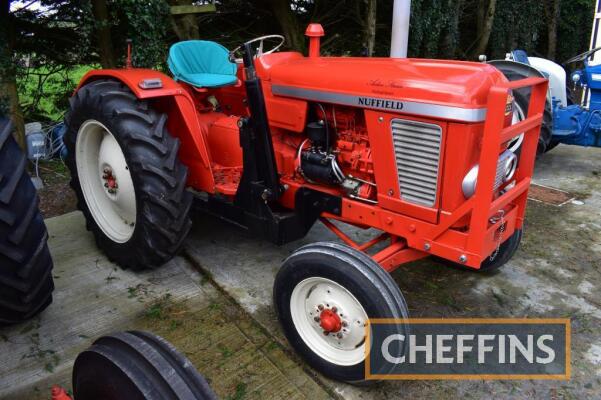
x: 552, y: 17
x: 450, y: 35
x: 369, y: 30
x: 16, y: 115
x: 288, y: 22
x: 185, y: 26
x: 486, y: 17
x: 8, y: 77
x: 103, y: 34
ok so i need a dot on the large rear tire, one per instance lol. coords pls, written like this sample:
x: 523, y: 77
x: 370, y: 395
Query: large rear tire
x: 130, y: 184
x: 332, y: 288
x: 25, y: 264
x: 136, y: 366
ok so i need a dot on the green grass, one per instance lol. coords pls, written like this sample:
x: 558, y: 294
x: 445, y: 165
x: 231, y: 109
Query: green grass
x: 52, y: 91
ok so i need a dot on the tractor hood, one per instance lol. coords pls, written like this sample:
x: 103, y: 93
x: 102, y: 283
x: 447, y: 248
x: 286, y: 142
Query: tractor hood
x: 452, y: 90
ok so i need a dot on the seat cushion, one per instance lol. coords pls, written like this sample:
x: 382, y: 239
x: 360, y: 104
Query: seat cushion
x: 209, y: 80
x: 202, y: 63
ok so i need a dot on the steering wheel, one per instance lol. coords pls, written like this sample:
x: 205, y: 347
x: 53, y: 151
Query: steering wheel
x: 583, y: 56
x: 259, y: 51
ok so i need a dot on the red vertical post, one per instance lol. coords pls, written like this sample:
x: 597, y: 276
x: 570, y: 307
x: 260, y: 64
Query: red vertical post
x: 314, y: 32
x: 489, y: 156
x: 538, y: 98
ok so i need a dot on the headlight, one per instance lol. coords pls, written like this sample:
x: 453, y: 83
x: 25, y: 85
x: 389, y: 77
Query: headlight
x: 506, y: 167
x: 576, y: 78
x: 469, y: 182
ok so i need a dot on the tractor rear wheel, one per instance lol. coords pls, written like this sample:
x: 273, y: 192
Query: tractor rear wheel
x: 127, y: 176
x: 25, y: 264
x: 136, y: 366
x: 324, y: 295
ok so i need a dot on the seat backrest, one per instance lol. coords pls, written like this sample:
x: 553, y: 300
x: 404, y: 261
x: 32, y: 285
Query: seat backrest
x: 199, y: 57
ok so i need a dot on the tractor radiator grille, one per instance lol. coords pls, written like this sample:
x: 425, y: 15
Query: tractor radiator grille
x: 417, y: 153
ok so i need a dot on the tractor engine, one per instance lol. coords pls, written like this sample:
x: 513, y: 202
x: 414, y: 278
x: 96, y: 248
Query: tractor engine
x: 336, y: 152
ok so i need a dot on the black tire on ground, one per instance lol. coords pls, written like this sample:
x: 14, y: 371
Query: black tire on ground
x: 506, y: 252
x: 552, y: 144
x: 25, y: 264
x: 136, y: 366
x: 159, y: 178
x: 356, y: 272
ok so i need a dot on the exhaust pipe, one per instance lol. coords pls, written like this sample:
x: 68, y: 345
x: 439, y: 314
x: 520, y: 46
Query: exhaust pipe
x: 401, y: 14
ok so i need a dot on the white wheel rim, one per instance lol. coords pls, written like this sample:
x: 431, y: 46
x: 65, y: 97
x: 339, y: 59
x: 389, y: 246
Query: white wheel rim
x: 113, y: 207
x: 309, y: 300
x: 518, y: 115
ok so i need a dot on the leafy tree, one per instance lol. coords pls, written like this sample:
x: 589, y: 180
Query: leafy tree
x: 46, y: 39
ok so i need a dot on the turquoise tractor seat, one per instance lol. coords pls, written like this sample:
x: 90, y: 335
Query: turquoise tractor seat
x: 202, y: 64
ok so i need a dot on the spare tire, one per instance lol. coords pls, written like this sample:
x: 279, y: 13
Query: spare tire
x: 25, y: 264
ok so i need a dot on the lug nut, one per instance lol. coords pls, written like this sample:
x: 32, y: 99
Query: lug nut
x: 316, y: 319
x: 320, y: 307
x: 339, y: 335
x: 334, y: 309
x: 326, y: 333
x: 106, y: 185
x: 344, y: 324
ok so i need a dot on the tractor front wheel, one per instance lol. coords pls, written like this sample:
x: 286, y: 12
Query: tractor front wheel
x: 495, y: 261
x: 325, y: 293
x: 506, y: 250
x: 126, y: 174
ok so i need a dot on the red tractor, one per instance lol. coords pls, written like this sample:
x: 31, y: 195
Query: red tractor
x: 275, y: 141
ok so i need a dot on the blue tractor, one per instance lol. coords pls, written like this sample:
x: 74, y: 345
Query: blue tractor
x: 565, y: 120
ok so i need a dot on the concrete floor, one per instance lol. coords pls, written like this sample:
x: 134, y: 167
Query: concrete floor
x: 94, y: 297
x: 225, y: 322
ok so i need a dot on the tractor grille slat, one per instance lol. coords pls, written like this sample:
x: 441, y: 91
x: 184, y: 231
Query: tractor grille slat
x: 417, y: 154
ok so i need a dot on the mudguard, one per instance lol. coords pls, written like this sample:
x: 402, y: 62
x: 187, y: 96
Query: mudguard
x: 172, y: 99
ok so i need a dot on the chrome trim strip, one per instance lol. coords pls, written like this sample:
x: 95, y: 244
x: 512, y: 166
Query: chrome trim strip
x: 379, y: 103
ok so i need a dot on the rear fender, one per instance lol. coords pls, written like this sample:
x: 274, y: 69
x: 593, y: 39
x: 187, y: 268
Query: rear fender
x: 182, y: 122
x: 556, y: 75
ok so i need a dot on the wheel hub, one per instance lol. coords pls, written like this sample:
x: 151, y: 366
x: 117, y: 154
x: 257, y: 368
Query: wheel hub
x: 330, y: 321
x: 110, y: 181
x: 106, y: 181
